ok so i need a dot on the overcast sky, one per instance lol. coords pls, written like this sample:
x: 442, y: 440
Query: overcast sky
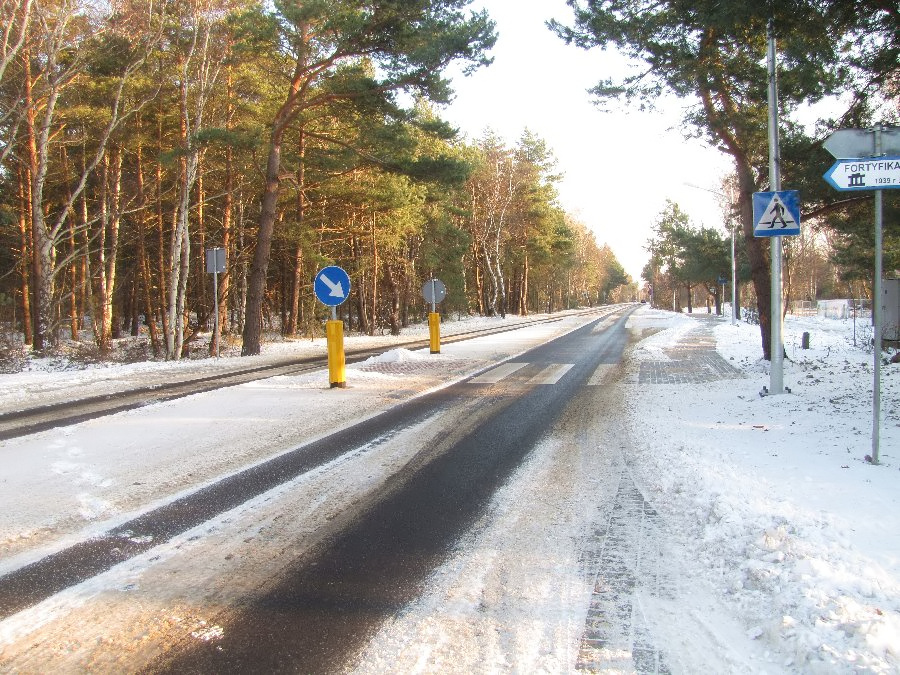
x: 621, y: 166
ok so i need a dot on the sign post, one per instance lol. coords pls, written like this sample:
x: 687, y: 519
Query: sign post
x: 863, y: 164
x: 215, y: 263
x: 332, y: 287
x: 776, y: 342
x: 434, y: 292
x: 775, y: 214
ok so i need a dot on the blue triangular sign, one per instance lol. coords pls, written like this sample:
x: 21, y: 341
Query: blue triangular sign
x: 776, y: 214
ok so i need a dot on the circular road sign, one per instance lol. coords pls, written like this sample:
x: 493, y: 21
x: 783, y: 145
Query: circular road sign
x: 433, y: 291
x: 332, y: 286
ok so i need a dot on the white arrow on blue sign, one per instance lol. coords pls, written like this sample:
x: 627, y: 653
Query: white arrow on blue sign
x: 877, y: 173
x: 776, y: 214
x: 332, y: 286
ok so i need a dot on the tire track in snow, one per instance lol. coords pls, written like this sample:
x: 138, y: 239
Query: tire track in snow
x: 625, y: 557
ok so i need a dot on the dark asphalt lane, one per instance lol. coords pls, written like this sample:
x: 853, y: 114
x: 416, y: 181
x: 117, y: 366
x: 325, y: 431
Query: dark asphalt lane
x: 322, y: 612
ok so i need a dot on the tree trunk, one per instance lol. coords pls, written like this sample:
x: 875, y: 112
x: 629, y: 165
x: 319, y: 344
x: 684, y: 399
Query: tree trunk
x: 297, y: 277
x: 393, y: 287
x: 101, y: 320
x: 111, y: 188
x: 204, y: 313
x: 256, y: 282
x: 244, y: 268
x: 756, y: 254
x: 296, y: 285
x: 161, y: 238
x: 361, y: 290
x: 495, y: 282
x: 180, y: 255
x: 73, y: 250
x: 24, y: 257
x: 86, y: 304
x: 523, y: 291
x: 374, y: 314
x: 181, y: 310
x: 227, y: 211
x: 479, y: 281
x: 41, y: 246
x: 227, y: 217
x: 143, y: 259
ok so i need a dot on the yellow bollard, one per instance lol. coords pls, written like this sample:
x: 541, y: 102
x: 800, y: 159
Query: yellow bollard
x: 334, y: 333
x: 434, y: 331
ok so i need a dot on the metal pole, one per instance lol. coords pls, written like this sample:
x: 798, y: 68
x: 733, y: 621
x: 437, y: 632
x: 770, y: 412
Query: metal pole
x: 216, y: 295
x: 876, y: 315
x: 433, y: 296
x: 733, y: 280
x: 776, y: 372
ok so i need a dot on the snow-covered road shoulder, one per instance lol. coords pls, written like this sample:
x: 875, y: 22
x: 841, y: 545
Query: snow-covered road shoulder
x: 771, y: 497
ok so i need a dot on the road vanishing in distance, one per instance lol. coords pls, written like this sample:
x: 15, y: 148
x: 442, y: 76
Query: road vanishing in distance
x: 322, y: 610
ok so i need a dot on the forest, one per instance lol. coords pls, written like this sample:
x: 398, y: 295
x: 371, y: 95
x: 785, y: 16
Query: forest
x: 135, y: 136
x: 138, y: 135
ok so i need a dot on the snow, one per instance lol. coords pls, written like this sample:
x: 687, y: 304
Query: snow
x: 773, y: 498
x: 767, y: 543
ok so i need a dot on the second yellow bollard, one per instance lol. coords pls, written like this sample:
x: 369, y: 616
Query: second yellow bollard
x: 434, y: 332
x: 334, y: 333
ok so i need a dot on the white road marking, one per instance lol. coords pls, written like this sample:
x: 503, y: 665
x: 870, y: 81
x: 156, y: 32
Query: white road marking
x: 496, y: 374
x: 603, y: 325
x: 552, y: 373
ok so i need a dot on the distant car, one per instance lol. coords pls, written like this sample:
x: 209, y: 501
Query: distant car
x: 643, y: 302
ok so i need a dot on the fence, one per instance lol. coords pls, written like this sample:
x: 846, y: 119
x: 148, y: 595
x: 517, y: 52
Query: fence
x: 832, y: 309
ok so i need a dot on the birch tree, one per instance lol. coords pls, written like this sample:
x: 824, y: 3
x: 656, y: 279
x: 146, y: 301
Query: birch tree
x: 60, y: 39
x: 15, y: 16
x: 492, y: 189
x: 200, y: 65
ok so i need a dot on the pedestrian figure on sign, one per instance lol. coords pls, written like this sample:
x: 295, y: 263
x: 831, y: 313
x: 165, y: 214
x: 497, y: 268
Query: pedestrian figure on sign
x: 778, y: 209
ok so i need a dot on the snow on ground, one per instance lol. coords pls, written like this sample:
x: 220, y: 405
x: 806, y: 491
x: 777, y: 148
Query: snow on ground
x: 59, y: 377
x: 783, y: 543
x: 771, y: 497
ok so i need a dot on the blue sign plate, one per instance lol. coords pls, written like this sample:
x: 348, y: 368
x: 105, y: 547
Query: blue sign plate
x: 776, y: 214
x: 332, y: 286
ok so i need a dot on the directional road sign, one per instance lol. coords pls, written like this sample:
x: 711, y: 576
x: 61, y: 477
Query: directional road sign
x: 856, y: 143
x: 434, y: 291
x: 332, y: 286
x: 776, y: 214
x: 878, y: 173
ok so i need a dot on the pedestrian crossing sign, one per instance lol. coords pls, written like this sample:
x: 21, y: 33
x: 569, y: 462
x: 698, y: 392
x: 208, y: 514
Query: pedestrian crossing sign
x: 776, y: 214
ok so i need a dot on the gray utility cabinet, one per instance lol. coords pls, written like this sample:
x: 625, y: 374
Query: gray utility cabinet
x: 890, y: 310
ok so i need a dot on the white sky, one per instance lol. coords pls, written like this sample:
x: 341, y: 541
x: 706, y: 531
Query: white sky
x: 619, y: 167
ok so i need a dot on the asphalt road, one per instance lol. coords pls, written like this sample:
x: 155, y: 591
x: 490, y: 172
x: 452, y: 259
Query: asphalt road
x: 322, y: 610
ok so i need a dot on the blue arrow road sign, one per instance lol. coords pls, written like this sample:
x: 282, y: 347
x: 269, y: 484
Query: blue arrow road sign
x: 776, y: 214
x: 876, y: 173
x: 332, y: 286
